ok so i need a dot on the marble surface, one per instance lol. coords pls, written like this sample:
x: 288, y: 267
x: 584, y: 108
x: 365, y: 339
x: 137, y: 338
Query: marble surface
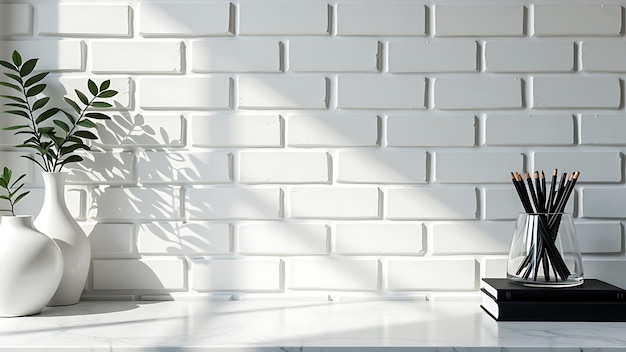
x: 196, y: 325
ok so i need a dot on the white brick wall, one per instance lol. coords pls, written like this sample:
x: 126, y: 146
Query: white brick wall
x: 308, y: 147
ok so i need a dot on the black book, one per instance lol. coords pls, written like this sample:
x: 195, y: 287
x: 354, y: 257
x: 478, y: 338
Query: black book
x: 589, y: 291
x: 553, y: 311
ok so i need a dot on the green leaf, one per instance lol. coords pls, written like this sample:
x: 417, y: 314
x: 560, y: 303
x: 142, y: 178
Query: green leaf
x: 16, y: 78
x: 16, y: 127
x: 72, y: 159
x: 97, y: 116
x: 18, y: 180
x: 82, y: 97
x: 107, y: 94
x: 69, y: 117
x: 40, y: 103
x: 62, y: 124
x: 8, y: 65
x: 12, y: 86
x: 101, y: 104
x: 73, y: 104
x: 26, y: 132
x: 2, y: 196
x: 85, y: 134
x: 36, y: 78
x: 18, y: 113
x: 87, y: 123
x: 28, y: 67
x: 45, y: 130
x: 20, y: 197
x: 13, y: 98
x: 35, y: 161
x: 17, y: 58
x: 93, y: 88
x: 31, y: 92
x: 46, y: 115
x: 57, y: 140
x: 18, y: 105
x: 73, y: 147
x: 105, y: 85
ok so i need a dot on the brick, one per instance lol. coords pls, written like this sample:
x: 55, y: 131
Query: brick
x: 600, y: 56
x: 141, y: 131
x: 136, y: 57
x: 144, y: 274
x: 472, y: 20
x: 609, y: 270
x: 234, y: 203
x: 190, y: 238
x: 110, y: 240
x: 122, y: 101
x: 429, y: 274
x: 397, y: 166
x: 61, y: 55
x: 503, y: 203
x: 379, y: 238
x: 282, y: 92
x: 284, y: 167
x: 332, y: 131
x: 476, y: 167
x: 370, y: 92
x: 283, y: 19
x: 19, y: 165
x: 184, y: 93
x: 21, y: 22
x: 433, y: 56
x: 431, y: 131
x: 324, y: 274
x: 84, y: 20
x: 565, y: 20
x: 522, y: 130
x: 184, y: 19
x: 603, y: 129
x: 603, y: 202
x: 241, y: 275
x: 431, y: 203
x: 529, y: 56
x: 335, y: 202
x: 251, y: 56
x: 236, y: 131
x: 593, y: 166
x: 576, y: 92
x: 381, y: 19
x: 326, y: 55
x: 196, y: 167
x: 134, y: 203
x: 495, y: 267
x: 599, y: 237
x: 103, y: 168
x: 472, y: 238
x: 8, y: 138
x: 478, y: 93
x: 283, y: 239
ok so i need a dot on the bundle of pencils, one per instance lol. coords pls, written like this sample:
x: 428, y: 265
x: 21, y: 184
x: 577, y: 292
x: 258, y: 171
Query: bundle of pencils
x: 548, y: 205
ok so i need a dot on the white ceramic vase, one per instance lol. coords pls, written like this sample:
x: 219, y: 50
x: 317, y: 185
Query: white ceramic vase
x: 55, y: 220
x: 31, y: 266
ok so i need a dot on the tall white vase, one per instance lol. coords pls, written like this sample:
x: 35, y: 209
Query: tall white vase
x: 55, y: 220
x: 31, y: 266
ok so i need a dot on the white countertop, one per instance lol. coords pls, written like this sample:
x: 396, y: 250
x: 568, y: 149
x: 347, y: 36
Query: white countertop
x: 293, y: 326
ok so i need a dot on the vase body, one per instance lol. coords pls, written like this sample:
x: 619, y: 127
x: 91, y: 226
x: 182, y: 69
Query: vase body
x: 31, y: 266
x: 545, y: 252
x: 55, y: 220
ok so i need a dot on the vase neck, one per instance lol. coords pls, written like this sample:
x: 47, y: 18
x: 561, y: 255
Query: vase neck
x: 18, y: 221
x: 54, y: 186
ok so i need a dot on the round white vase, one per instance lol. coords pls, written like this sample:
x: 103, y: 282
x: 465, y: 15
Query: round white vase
x: 31, y: 266
x: 55, y: 220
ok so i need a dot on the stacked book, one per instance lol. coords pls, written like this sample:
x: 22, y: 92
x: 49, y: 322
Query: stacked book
x: 594, y: 300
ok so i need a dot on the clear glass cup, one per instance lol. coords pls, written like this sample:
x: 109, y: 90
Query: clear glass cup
x: 544, y: 251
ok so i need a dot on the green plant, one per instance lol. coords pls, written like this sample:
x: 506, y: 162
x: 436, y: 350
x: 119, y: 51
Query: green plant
x: 53, y: 133
x: 12, y: 189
